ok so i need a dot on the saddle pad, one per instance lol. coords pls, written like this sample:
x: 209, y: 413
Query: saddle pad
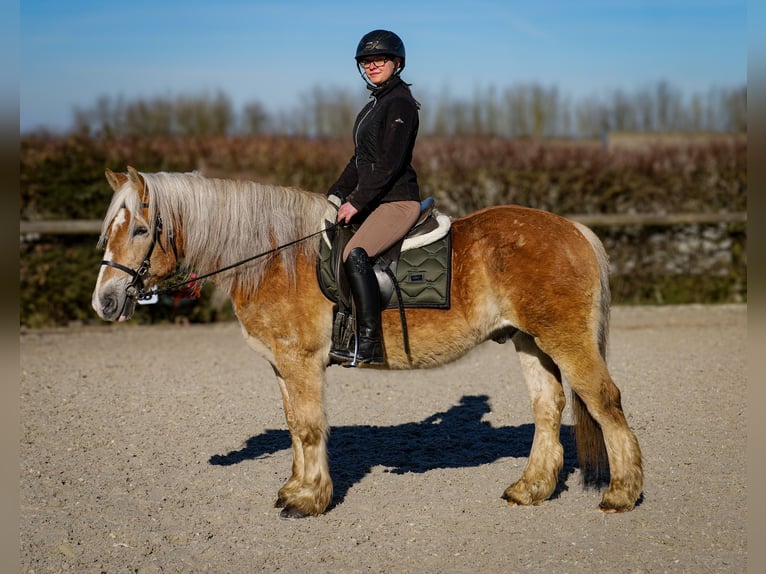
x: 439, y: 230
x: 423, y: 274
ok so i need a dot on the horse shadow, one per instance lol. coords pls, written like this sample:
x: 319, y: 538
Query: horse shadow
x: 456, y: 438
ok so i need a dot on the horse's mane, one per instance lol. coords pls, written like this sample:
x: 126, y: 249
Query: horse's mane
x: 225, y: 221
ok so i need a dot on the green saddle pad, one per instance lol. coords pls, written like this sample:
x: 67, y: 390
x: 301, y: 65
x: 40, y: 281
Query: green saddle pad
x: 423, y: 275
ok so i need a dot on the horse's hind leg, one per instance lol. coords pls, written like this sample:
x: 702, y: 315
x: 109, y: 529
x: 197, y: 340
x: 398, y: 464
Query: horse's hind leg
x: 587, y: 373
x: 539, y: 479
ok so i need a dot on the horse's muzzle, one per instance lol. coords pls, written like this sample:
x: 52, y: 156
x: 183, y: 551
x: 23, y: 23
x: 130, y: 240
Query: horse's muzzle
x: 113, y: 304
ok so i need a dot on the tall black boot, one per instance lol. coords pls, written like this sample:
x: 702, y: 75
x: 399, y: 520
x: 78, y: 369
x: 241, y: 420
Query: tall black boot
x: 366, y: 295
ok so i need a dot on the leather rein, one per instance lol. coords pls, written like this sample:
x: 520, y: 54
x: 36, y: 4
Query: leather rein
x: 136, y: 289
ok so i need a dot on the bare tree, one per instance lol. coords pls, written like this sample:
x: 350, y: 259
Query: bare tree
x: 735, y: 108
x: 255, y: 118
x: 526, y: 110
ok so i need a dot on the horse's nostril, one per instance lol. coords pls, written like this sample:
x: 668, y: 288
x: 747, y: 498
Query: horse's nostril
x: 109, y: 305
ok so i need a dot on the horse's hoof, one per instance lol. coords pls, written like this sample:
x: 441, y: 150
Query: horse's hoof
x: 279, y: 502
x: 614, y: 502
x: 610, y: 510
x: 519, y: 494
x: 513, y: 501
x: 509, y: 500
x: 291, y: 512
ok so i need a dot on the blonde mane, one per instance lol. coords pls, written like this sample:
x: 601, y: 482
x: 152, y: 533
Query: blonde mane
x: 225, y: 221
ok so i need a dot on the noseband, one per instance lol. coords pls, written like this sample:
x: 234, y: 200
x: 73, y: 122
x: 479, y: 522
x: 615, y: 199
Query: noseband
x: 136, y: 288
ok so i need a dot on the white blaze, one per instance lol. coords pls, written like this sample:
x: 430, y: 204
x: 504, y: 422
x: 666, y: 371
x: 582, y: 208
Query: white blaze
x: 120, y: 220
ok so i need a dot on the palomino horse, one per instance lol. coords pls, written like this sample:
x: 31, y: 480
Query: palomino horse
x: 521, y: 274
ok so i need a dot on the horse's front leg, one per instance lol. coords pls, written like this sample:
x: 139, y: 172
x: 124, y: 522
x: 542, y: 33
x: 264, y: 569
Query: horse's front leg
x: 296, y: 478
x: 308, y: 491
x: 546, y: 457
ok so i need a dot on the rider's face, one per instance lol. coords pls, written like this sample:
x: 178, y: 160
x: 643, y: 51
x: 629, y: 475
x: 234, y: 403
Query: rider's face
x: 378, y: 68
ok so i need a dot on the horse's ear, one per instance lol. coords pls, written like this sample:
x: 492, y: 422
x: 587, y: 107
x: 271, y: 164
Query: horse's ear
x: 116, y: 180
x: 135, y: 178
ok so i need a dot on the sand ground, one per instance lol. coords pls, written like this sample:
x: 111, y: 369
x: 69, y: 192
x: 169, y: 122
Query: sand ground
x: 161, y: 449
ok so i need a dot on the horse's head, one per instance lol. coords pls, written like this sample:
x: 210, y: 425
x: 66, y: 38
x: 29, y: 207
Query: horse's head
x: 138, y: 252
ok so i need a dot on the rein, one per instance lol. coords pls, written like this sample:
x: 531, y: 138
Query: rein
x: 136, y: 290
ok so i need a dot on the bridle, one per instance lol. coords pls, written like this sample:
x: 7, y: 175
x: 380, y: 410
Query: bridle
x: 136, y: 289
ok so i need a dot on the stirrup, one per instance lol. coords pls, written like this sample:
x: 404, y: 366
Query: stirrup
x: 374, y: 355
x: 340, y: 356
x: 356, y: 361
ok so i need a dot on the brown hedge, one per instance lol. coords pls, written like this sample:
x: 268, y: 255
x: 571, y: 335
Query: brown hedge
x: 62, y: 178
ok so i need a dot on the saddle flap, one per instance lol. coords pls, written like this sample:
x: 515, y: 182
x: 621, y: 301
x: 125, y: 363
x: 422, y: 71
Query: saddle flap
x: 340, y: 238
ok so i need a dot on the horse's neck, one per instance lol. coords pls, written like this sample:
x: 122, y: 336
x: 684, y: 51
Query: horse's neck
x: 221, y: 243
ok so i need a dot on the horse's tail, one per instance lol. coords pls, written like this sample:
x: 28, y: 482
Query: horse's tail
x: 591, y: 449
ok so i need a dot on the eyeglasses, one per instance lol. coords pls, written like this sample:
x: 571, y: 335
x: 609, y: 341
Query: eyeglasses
x: 378, y: 62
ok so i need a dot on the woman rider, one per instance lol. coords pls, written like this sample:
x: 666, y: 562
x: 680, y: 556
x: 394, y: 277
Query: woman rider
x: 378, y: 187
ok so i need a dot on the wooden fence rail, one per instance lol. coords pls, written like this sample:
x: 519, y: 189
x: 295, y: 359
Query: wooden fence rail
x: 61, y: 227
x: 93, y: 226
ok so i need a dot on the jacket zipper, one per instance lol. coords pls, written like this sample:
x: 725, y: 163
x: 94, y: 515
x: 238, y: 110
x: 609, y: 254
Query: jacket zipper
x: 359, y: 125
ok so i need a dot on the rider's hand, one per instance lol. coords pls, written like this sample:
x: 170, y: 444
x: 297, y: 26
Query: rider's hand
x: 346, y: 212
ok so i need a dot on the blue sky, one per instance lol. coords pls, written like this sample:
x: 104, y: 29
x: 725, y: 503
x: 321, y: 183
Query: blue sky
x: 276, y: 52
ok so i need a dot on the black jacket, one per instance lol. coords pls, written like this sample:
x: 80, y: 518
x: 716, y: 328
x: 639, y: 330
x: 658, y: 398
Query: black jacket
x: 384, y: 136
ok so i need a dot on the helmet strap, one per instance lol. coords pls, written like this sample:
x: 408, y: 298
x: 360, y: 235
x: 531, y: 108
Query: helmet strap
x: 362, y: 73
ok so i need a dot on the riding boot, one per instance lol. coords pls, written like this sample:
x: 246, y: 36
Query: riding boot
x: 366, y: 295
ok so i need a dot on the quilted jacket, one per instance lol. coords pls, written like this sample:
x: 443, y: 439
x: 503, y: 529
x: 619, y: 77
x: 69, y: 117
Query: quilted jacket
x: 384, y: 137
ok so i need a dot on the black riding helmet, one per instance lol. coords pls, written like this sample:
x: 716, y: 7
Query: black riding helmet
x: 380, y: 42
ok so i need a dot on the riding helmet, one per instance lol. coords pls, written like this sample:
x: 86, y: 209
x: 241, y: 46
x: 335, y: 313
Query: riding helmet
x: 381, y: 42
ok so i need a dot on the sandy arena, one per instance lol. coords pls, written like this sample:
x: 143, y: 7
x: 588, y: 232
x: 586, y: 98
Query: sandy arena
x: 161, y: 449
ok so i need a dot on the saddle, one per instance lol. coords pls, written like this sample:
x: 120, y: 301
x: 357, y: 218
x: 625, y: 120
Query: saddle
x: 414, y: 272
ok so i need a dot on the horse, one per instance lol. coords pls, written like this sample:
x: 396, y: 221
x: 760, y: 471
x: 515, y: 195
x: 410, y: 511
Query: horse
x: 519, y: 274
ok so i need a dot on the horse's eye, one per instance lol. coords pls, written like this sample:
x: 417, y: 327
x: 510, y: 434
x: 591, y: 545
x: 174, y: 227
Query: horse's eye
x: 140, y: 230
